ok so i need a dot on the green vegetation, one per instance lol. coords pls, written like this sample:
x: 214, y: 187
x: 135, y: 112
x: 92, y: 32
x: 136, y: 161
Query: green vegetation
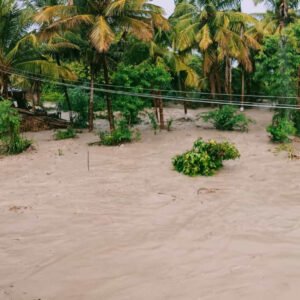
x: 69, y: 133
x: 281, y: 130
x: 121, y: 135
x: 153, y: 121
x: 296, y: 121
x: 11, y: 141
x: 205, y: 158
x: 125, y: 56
x: 227, y: 118
x: 136, y: 78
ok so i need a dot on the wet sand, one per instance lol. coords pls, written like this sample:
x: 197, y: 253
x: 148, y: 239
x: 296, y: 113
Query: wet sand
x: 132, y: 228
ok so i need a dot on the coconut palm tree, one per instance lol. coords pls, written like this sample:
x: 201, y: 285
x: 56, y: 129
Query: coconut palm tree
x: 280, y: 13
x: 20, y: 52
x: 215, y: 29
x: 103, y: 23
x: 163, y: 49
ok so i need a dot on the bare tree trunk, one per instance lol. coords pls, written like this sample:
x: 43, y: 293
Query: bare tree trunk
x: 185, y: 107
x: 218, y: 83
x: 110, y: 113
x: 284, y: 11
x: 299, y: 85
x: 91, y: 102
x: 155, y: 105
x: 161, y: 112
x: 156, y: 108
x: 212, y: 85
x: 5, y: 88
x: 243, y: 90
x: 228, y: 77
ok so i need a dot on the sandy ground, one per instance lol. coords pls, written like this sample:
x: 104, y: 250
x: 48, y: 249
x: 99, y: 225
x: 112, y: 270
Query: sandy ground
x: 132, y: 228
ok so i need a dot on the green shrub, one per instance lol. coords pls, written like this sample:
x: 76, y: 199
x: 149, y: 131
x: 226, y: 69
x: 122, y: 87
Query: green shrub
x: 296, y: 120
x: 153, y: 122
x: 11, y: 141
x: 205, y: 158
x: 227, y: 118
x: 80, y: 102
x: 281, y: 129
x: 69, y: 133
x: 121, y: 134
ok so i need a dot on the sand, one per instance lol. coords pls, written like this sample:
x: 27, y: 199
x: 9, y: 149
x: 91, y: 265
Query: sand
x: 132, y: 228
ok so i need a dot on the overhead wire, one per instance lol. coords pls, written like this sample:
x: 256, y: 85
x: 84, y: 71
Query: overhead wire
x: 101, y: 85
x: 163, y: 97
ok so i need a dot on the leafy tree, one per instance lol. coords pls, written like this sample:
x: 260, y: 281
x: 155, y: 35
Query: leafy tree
x: 19, y: 50
x: 277, y: 67
x: 138, y: 78
x: 102, y: 24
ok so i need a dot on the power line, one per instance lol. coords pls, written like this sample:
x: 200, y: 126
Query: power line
x: 151, y: 96
x: 159, y: 90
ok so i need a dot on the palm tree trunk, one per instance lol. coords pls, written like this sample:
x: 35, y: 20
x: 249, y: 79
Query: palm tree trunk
x: 65, y: 89
x: 110, y: 113
x: 243, y: 90
x: 181, y: 88
x: 5, y: 88
x: 228, y: 77
x: 212, y: 85
x: 218, y: 83
x: 299, y: 85
x: 91, y: 102
x: 284, y: 10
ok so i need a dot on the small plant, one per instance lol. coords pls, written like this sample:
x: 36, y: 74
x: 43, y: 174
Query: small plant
x: 69, y: 133
x: 122, y: 134
x: 60, y: 152
x: 227, y: 118
x: 281, y: 129
x: 169, y: 124
x: 290, y: 149
x: 11, y: 141
x: 205, y: 158
x: 153, y: 122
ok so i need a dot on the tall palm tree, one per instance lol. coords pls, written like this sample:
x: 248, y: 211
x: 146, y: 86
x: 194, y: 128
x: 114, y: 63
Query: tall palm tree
x: 19, y: 51
x: 164, y: 49
x: 214, y: 28
x: 280, y: 13
x: 103, y: 23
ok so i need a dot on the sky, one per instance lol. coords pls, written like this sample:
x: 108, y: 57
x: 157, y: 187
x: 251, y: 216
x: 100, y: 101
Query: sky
x: 247, y: 6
